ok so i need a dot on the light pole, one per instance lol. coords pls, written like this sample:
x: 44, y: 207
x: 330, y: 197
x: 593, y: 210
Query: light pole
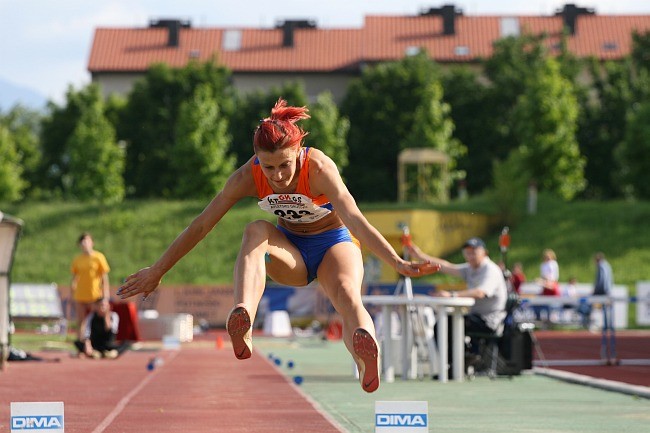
x: 10, y: 229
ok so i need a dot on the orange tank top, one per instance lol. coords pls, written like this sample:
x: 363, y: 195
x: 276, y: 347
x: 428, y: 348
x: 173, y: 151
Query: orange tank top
x: 297, y: 207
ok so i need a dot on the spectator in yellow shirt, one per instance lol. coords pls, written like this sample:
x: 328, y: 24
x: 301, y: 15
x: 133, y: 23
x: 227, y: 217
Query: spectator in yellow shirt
x: 89, y: 279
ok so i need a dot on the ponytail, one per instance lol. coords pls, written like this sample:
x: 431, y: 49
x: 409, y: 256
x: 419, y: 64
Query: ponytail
x: 279, y: 130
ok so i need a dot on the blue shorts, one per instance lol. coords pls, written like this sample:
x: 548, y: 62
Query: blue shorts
x: 313, y: 247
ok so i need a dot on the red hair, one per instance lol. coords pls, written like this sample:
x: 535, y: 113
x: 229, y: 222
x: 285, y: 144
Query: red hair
x: 280, y: 131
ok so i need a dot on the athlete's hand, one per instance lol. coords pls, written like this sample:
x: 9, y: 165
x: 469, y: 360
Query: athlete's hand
x: 417, y: 269
x: 144, y: 281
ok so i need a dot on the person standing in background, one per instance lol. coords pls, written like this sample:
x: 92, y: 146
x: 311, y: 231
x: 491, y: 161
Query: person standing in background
x: 549, y: 275
x: 89, y: 279
x: 549, y: 271
x: 603, y: 283
x: 517, y: 276
x: 604, y: 276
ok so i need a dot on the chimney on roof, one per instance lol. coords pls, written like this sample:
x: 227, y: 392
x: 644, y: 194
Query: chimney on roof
x: 173, y: 26
x: 570, y: 13
x: 448, y: 14
x: 288, y: 26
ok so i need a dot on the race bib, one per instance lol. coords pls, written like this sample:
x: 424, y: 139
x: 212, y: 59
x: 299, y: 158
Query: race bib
x: 295, y: 208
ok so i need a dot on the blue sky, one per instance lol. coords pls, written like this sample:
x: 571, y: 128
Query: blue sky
x: 45, y: 44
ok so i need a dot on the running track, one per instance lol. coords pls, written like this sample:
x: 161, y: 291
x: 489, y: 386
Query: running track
x: 203, y: 389
x: 584, y: 345
x: 196, y: 389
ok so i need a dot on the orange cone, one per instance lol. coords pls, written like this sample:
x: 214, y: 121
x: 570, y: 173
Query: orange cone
x: 219, y: 342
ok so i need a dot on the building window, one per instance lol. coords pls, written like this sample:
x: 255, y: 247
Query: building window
x: 461, y: 50
x: 412, y: 51
x: 509, y: 26
x: 610, y: 46
x: 231, y: 40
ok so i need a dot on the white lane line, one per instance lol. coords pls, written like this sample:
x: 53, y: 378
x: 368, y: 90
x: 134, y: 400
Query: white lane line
x: 127, y: 398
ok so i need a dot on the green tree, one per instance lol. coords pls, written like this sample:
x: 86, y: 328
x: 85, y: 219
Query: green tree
x: 641, y: 50
x: 57, y: 127
x: 474, y: 125
x: 199, y: 159
x: 114, y: 108
x: 254, y: 106
x: 381, y: 107
x: 11, y: 183
x: 509, y: 70
x: 632, y: 154
x: 328, y: 130
x: 616, y: 88
x: 508, y: 193
x: 433, y: 128
x: 96, y: 162
x: 545, y: 121
x: 24, y: 125
x: 603, y: 126
x: 148, y: 122
x: 512, y: 62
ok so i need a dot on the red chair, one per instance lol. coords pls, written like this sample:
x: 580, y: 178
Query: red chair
x: 128, y: 313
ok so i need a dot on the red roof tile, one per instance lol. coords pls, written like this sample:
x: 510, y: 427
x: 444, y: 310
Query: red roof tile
x: 326, y: 50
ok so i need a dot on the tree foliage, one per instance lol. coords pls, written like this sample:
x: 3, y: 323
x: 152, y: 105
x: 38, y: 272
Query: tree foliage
x: 149, y: 120
x: 474, y: 125
x: 200, y: 160
x: 508, y: 192
x: 641, y: 50
x: 544, y: 121
x: 381, y: 106
x: 96, y: 162
x: 11, y: 183
x: 632, y: 154
x: 23, y: 126
x: 617, y: 87
x: 604, y: 125
x: 328, y: 130
x: 57, y: 127
x: 513, y: 61
x: 177, y: 137
x: 433, y: 128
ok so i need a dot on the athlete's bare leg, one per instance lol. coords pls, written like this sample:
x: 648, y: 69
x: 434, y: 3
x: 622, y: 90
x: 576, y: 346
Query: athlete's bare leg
x: 283, y: 264
x: 341, y: 274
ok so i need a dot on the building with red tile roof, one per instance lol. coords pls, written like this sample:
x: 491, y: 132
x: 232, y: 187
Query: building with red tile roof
x: 326, y: 59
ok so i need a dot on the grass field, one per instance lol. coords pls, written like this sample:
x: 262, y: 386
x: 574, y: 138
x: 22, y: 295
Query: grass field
x: 135, y: 233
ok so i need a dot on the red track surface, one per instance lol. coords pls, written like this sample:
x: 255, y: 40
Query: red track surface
x: 196, y: 389
x: 585, y: 345
x: 202, y: 389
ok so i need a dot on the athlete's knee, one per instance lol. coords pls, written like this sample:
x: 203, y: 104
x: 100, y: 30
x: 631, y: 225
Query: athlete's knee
x: 347, y: 297
x: 257, y: 230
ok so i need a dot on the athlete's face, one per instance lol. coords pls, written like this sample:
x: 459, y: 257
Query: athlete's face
x: 279, y: 167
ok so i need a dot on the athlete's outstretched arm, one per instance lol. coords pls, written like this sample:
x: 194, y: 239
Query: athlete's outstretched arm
x: 146, y: 280
x: 328, y: 181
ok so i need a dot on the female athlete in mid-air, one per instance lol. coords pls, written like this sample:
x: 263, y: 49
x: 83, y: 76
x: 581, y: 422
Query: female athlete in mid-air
x: 315, y: 237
